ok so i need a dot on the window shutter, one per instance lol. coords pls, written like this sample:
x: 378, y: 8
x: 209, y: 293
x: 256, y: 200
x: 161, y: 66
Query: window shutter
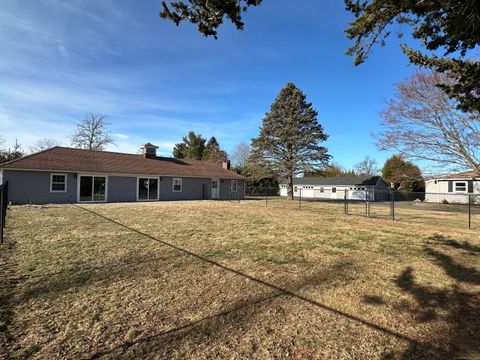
x: 450, y: 186
x: 470, y: 186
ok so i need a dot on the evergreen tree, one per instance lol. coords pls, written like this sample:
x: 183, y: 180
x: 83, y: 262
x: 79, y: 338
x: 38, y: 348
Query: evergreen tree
x: 11, y: 154
x: 213, y: 152
x: 289, y: 137
x: 207, y: 15
x: 403, y: 175
x: 191, y: 147
x: 331, y: 170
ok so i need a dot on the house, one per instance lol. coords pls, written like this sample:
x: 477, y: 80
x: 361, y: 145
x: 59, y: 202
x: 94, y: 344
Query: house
x: 356, y: 187
x: 65, y: 175
x: 454, y: 188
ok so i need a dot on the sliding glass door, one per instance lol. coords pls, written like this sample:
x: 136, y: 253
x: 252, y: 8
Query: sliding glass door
x: 92, y: 188
x: 147, y: 189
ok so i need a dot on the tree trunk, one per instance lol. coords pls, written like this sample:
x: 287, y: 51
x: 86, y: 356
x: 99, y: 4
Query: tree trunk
x: 290, y: 187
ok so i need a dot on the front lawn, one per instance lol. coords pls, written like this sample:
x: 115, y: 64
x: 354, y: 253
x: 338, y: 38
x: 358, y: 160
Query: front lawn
x: 227, y: 280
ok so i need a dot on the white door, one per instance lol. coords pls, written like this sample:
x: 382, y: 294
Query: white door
x: 215, y: 188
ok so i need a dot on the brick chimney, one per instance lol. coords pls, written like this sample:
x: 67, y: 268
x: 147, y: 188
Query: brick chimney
x: 226, y: 164
x: 149, y: 151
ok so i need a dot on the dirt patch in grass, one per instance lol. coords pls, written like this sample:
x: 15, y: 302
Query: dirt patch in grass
x: 228, y: 280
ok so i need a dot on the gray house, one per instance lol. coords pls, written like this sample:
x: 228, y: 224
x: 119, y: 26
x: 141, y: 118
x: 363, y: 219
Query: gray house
x: 355, y: 187
x: 65, y: 175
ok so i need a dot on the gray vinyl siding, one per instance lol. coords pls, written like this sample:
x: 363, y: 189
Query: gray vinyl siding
x: 122, y: 188
x: 25, y: 187
x: 33, y: 187
x: 192, y: 188
x: 227, y: 194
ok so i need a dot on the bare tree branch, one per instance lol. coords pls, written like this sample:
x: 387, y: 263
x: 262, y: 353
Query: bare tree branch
x: 43, y: 144
x: 240, y: 154
x: 423, y: 123
x: 92, y: 133
x: 367, y: 167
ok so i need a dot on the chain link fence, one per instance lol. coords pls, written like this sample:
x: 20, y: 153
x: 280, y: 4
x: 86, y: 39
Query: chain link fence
x: 3, y: 207
x: 455, y: 210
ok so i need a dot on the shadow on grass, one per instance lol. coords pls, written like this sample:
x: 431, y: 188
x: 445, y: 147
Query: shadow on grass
x: 275, y: 290
x: 455, y: 307
x: 465, y: 245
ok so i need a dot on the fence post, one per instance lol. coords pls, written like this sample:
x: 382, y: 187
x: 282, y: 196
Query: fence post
x: 366, y: 203
x: 469, y: 212
x: 266, y: 196
x: 392, y: 204
x: 238, y: 195
x: 345, y: 202
x: 300, y: 199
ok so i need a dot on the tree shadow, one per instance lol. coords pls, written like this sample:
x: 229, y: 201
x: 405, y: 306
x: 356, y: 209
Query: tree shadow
x: 456, y: 308
x: 465, y: 245
x: 453, y: 269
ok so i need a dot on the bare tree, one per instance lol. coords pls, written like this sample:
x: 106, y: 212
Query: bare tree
x: 240, y: 154
x: 423, y: 123
x: 367, y: 167
x: 92, y: 133
x: 43, y: 144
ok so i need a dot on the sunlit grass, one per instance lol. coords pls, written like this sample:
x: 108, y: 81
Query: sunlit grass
x: 231, y: 280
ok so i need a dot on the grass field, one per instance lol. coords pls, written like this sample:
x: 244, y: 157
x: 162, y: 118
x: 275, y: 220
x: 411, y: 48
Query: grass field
x: 226, y: 280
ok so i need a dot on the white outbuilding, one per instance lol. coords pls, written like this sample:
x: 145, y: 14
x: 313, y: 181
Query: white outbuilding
x: 354, y: 187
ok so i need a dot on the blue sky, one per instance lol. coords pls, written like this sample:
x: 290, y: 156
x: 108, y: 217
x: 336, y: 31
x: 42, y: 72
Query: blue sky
x: 155, y: 82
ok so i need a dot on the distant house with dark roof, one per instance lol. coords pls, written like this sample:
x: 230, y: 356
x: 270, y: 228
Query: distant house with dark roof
x: 66, y: 175
x: 356, y: 187
x: 454, y: 188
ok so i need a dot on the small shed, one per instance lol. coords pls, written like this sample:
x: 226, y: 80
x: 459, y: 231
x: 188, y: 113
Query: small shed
x: 354, y: 187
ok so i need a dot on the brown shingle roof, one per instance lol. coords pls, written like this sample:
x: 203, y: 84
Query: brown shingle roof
x: 79, y: 160
x: 463, y: 175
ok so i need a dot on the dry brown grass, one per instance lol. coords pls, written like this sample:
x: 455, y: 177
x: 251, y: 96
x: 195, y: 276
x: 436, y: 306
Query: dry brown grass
x: 227, y: 280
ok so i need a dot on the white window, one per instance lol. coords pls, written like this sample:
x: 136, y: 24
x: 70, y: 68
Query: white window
x: 58, y: 183
x: 233, y: 186
x: 460, y: 186
x: 177, y: 185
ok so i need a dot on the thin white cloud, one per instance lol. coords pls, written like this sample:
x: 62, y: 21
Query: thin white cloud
x: 62, y: 59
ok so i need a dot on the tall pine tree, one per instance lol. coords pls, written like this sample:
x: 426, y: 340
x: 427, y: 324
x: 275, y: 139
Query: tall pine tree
x: 290, y: 137
x: 191, y: 147
x: 213, y: 152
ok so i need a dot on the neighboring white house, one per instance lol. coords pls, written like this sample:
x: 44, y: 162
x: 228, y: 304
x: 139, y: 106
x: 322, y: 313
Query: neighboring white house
x: 356, y: 187
x: 454, y: 188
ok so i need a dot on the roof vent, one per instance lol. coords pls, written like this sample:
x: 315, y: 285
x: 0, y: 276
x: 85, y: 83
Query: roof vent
x: 149, y: 151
